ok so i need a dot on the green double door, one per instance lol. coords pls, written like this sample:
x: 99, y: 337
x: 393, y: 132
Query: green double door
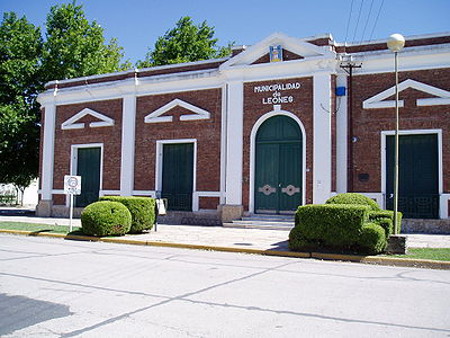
x: 418, y: 195
x: 177, y: 177
x: 278, y: 166
x: 88, y: 167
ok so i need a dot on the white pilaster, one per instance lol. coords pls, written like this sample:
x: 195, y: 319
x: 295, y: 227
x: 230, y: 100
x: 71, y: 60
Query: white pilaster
x: 322, y: 138
x: 341, y: 137
x: 128, y: 145
x: 235, y: 122
x: 47, y: 154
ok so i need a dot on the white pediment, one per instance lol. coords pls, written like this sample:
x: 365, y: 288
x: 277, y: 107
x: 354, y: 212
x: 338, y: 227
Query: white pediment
x: 442, y: 97
x: 72, y: 123
x: 294, y: 45
x: 193, y: 113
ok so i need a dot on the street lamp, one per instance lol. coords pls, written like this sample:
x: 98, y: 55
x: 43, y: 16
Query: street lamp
x: 395, y: 43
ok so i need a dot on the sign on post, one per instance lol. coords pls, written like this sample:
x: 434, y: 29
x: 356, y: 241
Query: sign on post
x: 72, y: 186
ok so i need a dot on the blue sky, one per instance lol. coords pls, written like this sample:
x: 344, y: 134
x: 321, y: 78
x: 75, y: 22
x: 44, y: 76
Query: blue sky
x: 138, y: 23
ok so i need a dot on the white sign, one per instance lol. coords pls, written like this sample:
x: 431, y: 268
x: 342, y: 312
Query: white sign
x: 72, y: 185
x: 276, y: 88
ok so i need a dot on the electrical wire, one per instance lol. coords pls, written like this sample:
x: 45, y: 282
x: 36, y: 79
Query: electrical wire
x: 376, y: 20
x: 357, y: 22
x: 348, y: 22
x: 367, y: 21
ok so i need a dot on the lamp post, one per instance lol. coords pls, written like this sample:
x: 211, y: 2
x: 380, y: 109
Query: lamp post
x: 395, y: 43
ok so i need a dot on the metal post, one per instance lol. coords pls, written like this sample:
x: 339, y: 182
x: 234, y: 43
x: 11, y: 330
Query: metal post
x: 71, y: 212
x: 396, y: 160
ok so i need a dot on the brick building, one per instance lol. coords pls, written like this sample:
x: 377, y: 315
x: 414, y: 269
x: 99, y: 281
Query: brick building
x: 272, y: 127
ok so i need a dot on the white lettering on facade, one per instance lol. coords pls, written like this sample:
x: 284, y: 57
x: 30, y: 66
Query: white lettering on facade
x: 277, y: 98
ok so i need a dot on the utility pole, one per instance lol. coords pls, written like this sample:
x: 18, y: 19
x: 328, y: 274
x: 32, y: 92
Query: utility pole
x: 348, y: 67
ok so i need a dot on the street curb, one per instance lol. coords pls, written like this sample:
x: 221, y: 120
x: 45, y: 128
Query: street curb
x: 376, y: 260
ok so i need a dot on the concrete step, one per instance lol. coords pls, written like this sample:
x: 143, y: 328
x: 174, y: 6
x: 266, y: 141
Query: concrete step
x: 269, y: 222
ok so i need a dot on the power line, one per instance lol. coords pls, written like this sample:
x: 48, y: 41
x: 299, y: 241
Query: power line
x: 367, y: 21
x: 376, y: 20
x: 348, y: 21
x: 357, y: 22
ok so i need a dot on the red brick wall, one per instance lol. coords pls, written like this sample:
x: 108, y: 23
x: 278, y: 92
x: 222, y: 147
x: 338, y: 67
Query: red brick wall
x: 207, y: 133
x: 109, y: 136
x: 368, y: 124
x: 302, y: 106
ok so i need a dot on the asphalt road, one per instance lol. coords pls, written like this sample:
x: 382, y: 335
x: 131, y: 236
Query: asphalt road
x: 57, y: 288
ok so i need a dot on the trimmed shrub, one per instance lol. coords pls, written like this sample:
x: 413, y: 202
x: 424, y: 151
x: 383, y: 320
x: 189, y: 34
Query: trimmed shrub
x: 354, y: 198
x: 385, y: 218
x: 105, y: 218
x: 142, y: 211
x: 328, y: 226
x: 372, y: 239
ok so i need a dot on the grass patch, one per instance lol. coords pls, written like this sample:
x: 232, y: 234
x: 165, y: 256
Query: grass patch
x: 34, y: 227
x: 435, y: 254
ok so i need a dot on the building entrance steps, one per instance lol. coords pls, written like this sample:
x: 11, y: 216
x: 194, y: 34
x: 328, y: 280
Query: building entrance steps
x: 263, y: 221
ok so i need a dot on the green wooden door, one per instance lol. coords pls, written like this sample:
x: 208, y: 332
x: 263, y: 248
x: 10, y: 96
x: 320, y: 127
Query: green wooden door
x: 418, y: 195
x: 278, y: 170
x: 177, y: 178
x: 88, y: 167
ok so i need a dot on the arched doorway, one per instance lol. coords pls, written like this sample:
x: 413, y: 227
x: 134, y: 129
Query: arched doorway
x: 278, y: 166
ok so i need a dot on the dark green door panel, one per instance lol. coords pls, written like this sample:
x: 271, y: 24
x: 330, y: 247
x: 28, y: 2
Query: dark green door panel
x: 177, y: 178
x: 88, y: 167
x: 418, y: 195
x: 278, y: 163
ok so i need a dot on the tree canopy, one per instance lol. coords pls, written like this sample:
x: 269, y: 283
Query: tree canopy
x: 73, y: 47
x: 185, y: 42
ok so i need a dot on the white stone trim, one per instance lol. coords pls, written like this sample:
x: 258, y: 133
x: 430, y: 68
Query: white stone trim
x: 74, y: 162
x: 150, y: 193
x: 234, y: 154
x: 443, y: 206
x: 275, y: 112
x: 48, y: 151
x: 438, y: 132
x: 322, y: 138
x: 71, y: 122
x: 128, y: 145
x: 377, y: 101
x: 109, y: 192
x: 159, y: 164
x: 223, y: 144
x: 196, y: 197
x: 198, y: 113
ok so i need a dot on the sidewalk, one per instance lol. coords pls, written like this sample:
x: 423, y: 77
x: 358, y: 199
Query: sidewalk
x: 261, y: 239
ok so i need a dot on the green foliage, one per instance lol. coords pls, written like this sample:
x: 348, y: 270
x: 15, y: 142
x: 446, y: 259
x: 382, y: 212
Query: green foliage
x: 142, y: 211
x: 339, y: 227
x: 186, y: 42
x: 385, y: 218
x: 75, y: 47
x: 105, y: 218
x: 20, y: 80
x: 353, y: 198
x: 372, y: 239
x: 329, y: 226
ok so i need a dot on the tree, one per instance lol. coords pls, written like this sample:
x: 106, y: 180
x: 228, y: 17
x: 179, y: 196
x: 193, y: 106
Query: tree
x: 75, y: 47
x: 20, y: 52
x: 185, y: 43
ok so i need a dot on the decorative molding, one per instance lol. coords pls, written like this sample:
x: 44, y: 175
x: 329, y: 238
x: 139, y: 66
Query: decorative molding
x: 105, y: 121
x: 378, y: 101
x: 197, y: 113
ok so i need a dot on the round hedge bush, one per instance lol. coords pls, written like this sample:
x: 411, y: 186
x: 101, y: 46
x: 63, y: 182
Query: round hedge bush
x: 354, y: 198
x: 372, y: 239
x: 105, y: 218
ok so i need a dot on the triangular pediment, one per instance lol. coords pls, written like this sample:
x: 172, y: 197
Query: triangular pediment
x: 74, y: 121
x: 193, y: 113
x: 442, y: 97
x: 294, y: 46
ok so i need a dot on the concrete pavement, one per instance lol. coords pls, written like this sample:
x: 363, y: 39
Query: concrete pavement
x: 257, y: 241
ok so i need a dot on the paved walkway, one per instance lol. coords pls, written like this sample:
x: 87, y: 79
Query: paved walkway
x: 223, y: 237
